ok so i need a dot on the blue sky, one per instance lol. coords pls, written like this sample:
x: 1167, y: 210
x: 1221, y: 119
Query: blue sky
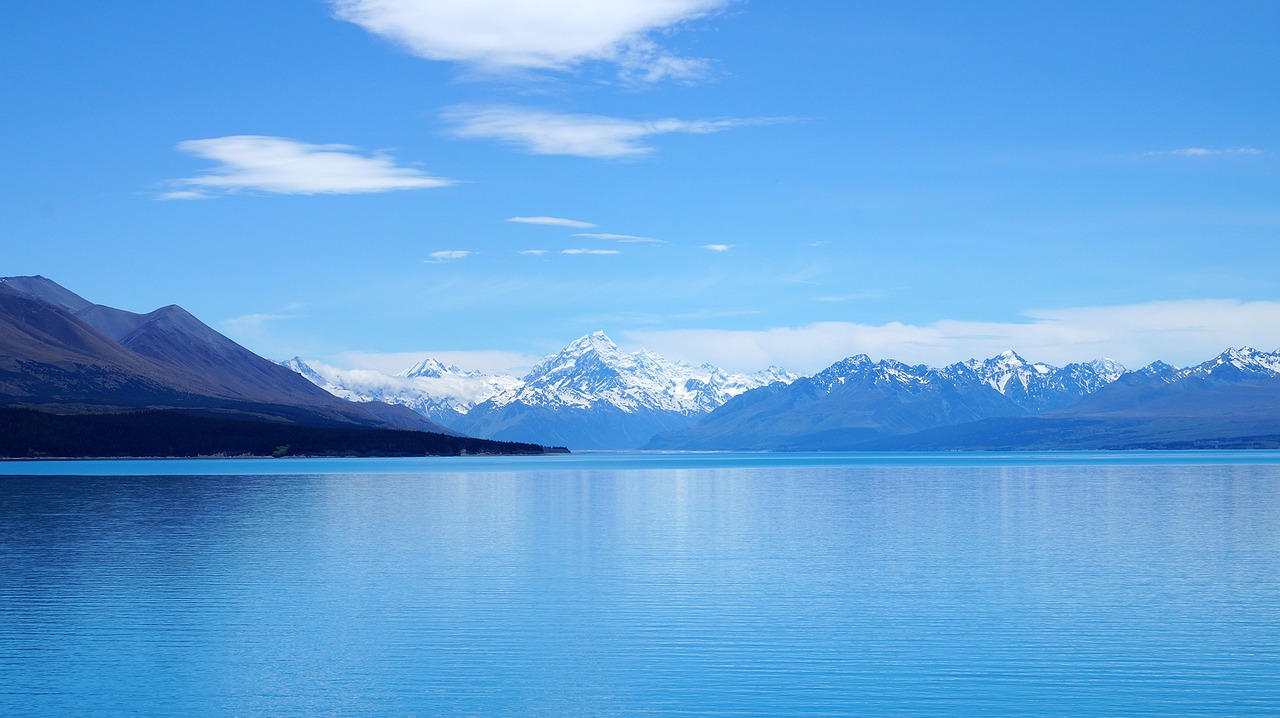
x: 744, y: 182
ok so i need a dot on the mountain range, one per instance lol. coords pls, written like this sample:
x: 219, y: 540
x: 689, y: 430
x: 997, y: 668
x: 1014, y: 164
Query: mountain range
x: 61, y: 354
x: 590, y: 395
x: 1003, y: 403
x: 78, y: 377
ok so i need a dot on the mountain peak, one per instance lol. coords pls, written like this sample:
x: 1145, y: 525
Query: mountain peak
x: 48, y: 291
x: 430, y: 369
x: 596, y: 340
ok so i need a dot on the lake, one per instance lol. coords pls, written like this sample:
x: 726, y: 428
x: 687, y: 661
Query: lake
x: 1075, y: 584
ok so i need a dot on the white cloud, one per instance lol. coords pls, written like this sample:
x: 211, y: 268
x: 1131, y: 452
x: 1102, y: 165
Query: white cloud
x: 447, y: 255
x: 284, y: 166
x: 1207, y: 152
x: 552, y: 222
x: 589, y: 251
x: 533, y: 252
x: 718, y: 247
x: 504, y: 35
x: 542, y: 132
x: 1179, y: 332
x: 625, y: 238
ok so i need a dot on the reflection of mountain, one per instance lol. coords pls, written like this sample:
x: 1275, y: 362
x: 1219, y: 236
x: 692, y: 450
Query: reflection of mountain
x: 62, y: 354
x: 1003, y: 403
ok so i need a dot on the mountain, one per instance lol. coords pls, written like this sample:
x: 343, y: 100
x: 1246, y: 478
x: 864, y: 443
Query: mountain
x: 439, y: 392
x: 61, y: 353
x: 593, y: 395
x: 857, y: 401
x: 1037, y: 387
x: 1230, y: 401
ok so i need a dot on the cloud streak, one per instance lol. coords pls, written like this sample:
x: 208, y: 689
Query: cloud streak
x: 589, y: 251
x: 542, y: 132
x: 448, y: 255
x: 279, y: 165
x: 625, y: 238
x: 1207, y: 152
x: 1180, y: 332
x: 501, y: 36
x: 552, y: 222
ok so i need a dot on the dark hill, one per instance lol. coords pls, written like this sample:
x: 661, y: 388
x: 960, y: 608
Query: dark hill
x: 82, y: 379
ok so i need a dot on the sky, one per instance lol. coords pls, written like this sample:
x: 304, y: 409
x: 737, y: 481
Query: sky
x: 369, y: 182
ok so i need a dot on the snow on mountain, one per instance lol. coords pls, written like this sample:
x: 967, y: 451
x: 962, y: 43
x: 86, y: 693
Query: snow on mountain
x: 442, y: 393
x: 1242, y: 363
x: 592, y: 371
x: 1036, y: 386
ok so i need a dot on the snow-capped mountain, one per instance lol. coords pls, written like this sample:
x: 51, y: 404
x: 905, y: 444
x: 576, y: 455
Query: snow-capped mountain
x: 593, y: 370
x: 594, y: 395
x: 1237, y: 364
x: 441, y: 393
x: 857, y: 400
x: 1038, y: 386
x: 612, y: 398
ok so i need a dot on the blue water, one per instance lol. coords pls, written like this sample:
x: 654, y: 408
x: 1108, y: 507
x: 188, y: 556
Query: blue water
x: 621, y: 585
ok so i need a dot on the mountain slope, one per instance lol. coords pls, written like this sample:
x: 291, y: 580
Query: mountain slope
x: 61, y: 352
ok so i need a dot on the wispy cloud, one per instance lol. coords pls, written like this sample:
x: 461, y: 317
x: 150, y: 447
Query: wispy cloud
x: 718, y: 247
x: 1179, y: 332
x: 1208, y: 152
x: 250, y: 323
x: 543, y: 132
x: 500, y: 36
x: 552, y: 222
x: 488, y: 361
x: 448, y: 255
x: 533, y: 252
x: 283, y: 166
x: 589, y: 251
x: 855, y: 297
x: 625, y: 238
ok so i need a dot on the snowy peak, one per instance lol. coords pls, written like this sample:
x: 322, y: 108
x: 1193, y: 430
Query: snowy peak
x: 592, y: 371
x: 1245, y: 362
x: 1033, y: 386
x: 300, y: 366
x: 439, y: 392
x: 434, y: 369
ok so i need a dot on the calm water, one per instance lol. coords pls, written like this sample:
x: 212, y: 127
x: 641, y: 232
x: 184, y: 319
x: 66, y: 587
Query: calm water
x: 771, y: 585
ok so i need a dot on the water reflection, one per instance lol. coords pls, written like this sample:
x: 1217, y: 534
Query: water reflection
x: 766, y: 589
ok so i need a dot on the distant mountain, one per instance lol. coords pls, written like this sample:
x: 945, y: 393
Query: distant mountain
x: 1230, y: 401
x: 1037, y: 387
x: 593, y: 395
x: 439, y: 392
x: 62, y: 353
x: 857, y: 401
